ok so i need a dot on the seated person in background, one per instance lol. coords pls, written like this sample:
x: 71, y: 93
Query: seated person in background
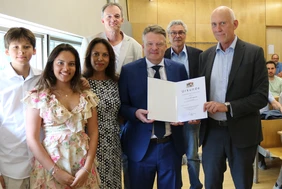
x: 274, y: 103
x: 276, y: 106
x: 275, y: 58
x: 275, y: 82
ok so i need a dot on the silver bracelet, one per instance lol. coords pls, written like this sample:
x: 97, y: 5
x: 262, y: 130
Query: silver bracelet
x: 85, y: 170
x: 52, y: 169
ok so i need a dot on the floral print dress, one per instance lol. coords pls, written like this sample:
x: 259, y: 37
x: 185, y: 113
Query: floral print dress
x: 65, y: 139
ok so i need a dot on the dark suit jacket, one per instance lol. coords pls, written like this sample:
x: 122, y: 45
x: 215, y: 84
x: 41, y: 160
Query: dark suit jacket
x: 193, y: 58
x: 133, y: 94
x: 247, y: 91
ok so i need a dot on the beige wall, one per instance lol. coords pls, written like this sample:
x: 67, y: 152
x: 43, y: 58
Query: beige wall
x: 253, y: 17
x: 79, y: 17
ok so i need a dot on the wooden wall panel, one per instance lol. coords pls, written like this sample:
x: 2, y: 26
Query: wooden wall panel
x: 204, y: 35
x: 273, y: 12
x: 205, y: 7
x: 253, y: 17
x: 142, y: 13
x: 251, y: 20
x: 274, y: 37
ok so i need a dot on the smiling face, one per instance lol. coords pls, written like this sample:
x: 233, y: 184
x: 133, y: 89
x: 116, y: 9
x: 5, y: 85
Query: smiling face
x: 154, y: 47
x: 64, y: 66
x: 223, y: 26
x: 100, y: 57
x: 21, y: 52
x: 112, y: 18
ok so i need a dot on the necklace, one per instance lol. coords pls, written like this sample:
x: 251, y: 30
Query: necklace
x: 63, y: 94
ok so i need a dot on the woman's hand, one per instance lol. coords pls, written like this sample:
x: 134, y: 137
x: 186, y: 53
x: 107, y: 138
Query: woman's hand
x: 2, y: 182
x: 63, y: 177
x: 80, y: 178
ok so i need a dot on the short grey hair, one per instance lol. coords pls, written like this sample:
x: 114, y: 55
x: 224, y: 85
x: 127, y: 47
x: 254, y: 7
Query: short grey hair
x: 112, y: 4
x: 154, y: 29
x: 176, y: 22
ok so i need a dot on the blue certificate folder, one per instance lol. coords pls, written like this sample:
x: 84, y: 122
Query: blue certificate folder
x: 176, y: 101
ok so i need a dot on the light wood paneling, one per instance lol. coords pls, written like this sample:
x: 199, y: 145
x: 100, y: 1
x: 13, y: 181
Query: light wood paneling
x: 273, y: 12
x: 205, y: 7
x: 142, y: 13
x: 253, y: 17
x: 174, y: 10
x: 274, y: 37
x: 251, y: 20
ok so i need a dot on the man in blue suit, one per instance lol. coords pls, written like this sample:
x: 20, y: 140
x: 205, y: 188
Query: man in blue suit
x: 147, y: 153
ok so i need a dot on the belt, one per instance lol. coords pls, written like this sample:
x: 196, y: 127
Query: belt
x: 161, y: 140
x: 219, y: 123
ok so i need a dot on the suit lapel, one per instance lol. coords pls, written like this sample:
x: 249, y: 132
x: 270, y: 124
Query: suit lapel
x: 208, y: 70
x: 169, y: 74
x: 190, y: 57
x: 142, y: 69
x: 237, y: 60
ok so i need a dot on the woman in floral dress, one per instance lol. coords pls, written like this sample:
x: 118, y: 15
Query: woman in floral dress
x: 61, y: 108
x: 99, y: 69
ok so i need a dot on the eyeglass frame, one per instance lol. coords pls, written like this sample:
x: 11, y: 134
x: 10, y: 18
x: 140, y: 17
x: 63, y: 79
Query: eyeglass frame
x: 174, y: 33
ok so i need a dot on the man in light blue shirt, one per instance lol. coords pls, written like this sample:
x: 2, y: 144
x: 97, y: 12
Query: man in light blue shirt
x: 189, y: 56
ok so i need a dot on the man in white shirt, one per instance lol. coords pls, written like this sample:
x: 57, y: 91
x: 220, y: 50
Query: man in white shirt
x: 126, y: 48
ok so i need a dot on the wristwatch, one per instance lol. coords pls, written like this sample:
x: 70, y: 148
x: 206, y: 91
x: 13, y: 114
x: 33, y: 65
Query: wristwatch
x: 227, y: 104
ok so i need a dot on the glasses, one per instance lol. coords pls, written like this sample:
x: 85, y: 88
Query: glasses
x: 96, y: 55
x: 180, y: 33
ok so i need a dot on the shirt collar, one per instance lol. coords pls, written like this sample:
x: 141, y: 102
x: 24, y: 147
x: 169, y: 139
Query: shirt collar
x: 12, y: 73
x: 183, y: 50
x: 232, y: 46
x: 150, y: 64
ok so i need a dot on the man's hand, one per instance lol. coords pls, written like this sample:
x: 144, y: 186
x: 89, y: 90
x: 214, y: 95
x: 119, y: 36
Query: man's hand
x: 177, y: 123
x: 213, y: 107
x: 194, y: 122
x: 141, y: 114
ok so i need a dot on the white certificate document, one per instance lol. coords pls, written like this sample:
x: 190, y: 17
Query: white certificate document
x: 176, y: 101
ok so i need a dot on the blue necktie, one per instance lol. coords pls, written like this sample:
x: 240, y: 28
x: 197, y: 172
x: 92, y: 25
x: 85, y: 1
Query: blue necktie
x: 159, y: 126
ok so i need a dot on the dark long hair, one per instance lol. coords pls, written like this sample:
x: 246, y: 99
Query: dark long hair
x: 48, y: 78
x: 88, y: 70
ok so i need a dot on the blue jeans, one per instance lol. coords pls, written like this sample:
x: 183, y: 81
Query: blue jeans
x: 191, y: 136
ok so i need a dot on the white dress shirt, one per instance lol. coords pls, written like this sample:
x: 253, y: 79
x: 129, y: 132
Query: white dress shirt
x: 151, y: 73
x: 15, y: 158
